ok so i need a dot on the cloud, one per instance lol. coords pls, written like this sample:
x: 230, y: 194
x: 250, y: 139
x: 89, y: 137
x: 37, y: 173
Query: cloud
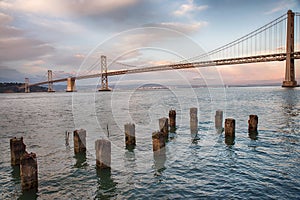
x: 185, y: 9
x: 17, y: 48
x: 5, y: 29
x: 186, y: 28
x: 60, y: 8
x: 14, y: 45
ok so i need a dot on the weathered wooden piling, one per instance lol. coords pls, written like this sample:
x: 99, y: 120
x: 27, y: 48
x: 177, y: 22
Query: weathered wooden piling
x: 79, y: 138
x: 129, y: 134
x: 158, y: 140
x: 29, y: 171
x: 103, y: 153
x: 219, y: 120
x: 164, y: 126
x: 193, y: 120
x: 17, y: 149
x: 252, y: 123
x: 172, y: 120
x: 230, y: 127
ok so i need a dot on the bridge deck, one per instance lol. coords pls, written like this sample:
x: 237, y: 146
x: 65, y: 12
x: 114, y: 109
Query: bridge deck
x: 209, y: 63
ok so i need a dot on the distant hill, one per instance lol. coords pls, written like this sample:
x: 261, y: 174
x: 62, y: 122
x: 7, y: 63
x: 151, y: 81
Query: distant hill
x: 19, y: 87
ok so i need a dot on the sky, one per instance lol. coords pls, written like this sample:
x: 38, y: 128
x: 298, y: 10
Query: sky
x: 69, y: 37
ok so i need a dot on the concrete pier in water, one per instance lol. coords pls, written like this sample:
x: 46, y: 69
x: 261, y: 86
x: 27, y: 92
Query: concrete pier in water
x: 103, y: 153
x: 219, y: 121
x: 158, y: 140
x: 164, y: 126
x: 229, y: 131
x: 229, y: 127
x: 172, y: 120
x: 17, y: 150
x: 79, y: 138
x: 130, y: 135
x: 29, y: 171
x: 252, y: 123
x: 71, y: 85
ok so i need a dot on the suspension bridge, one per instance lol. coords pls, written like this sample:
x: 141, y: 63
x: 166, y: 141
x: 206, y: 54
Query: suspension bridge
x: 274, y: 41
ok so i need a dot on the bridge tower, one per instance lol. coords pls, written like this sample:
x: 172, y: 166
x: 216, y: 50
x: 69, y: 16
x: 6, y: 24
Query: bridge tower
x: 26, y: 85
x: 289, y: 80
x: 104, y: 79
x: 71, y: 84
x: 50, y: 83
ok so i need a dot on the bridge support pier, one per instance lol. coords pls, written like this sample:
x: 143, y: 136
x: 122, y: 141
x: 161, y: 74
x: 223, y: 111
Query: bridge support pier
x: 290, y: 64
x: 71, y: 85
x: 27, y: 88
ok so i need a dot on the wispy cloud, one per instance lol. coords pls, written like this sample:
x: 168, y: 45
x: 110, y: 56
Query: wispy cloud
x: 186, y: 28
x: 188, y: 8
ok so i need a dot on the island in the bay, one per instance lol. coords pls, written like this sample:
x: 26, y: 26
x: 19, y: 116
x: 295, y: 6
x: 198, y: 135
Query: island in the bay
x: 19, y: 87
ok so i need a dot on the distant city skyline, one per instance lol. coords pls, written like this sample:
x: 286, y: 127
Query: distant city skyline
x: 61, y: 35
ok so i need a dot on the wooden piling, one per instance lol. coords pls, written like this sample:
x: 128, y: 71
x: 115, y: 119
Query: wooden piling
x: 79, y: 138
x: 252, y: 123
x: 17, y: 149
x: 158, y: 140
x: 172, y: 120
x: 164, y: 126
x: 229, y: 127
x: 219, y: 120
x: 103, y: 153
x: 193, y: 120
x: 129, y: 134
x: 29, y: 171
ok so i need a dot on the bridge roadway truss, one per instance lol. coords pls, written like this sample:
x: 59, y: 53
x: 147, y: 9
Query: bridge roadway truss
x: 230, y: 61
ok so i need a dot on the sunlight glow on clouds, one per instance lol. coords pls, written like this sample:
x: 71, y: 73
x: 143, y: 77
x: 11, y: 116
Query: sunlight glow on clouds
x: 64, y: 8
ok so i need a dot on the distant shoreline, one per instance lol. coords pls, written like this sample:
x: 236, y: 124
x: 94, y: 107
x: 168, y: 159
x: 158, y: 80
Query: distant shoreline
x: 14, y: 87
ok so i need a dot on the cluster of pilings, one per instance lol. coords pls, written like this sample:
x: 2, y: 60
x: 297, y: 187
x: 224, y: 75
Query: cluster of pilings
x: 27, y: 163
x: 229, y: 127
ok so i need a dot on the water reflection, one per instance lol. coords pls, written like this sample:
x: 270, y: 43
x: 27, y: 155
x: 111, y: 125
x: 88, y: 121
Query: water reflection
x: 172, y: 136
x: 253, y: 135
x: 159, y: 160
x: 130, y: 148
x: 106, y: 185
x: 172, y: 129
x: 29, y: 194
x: 229, y: 140
x: 80, y: 160
x: 290, y: 110
x: 130, y: 167
x: 195, y: 138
